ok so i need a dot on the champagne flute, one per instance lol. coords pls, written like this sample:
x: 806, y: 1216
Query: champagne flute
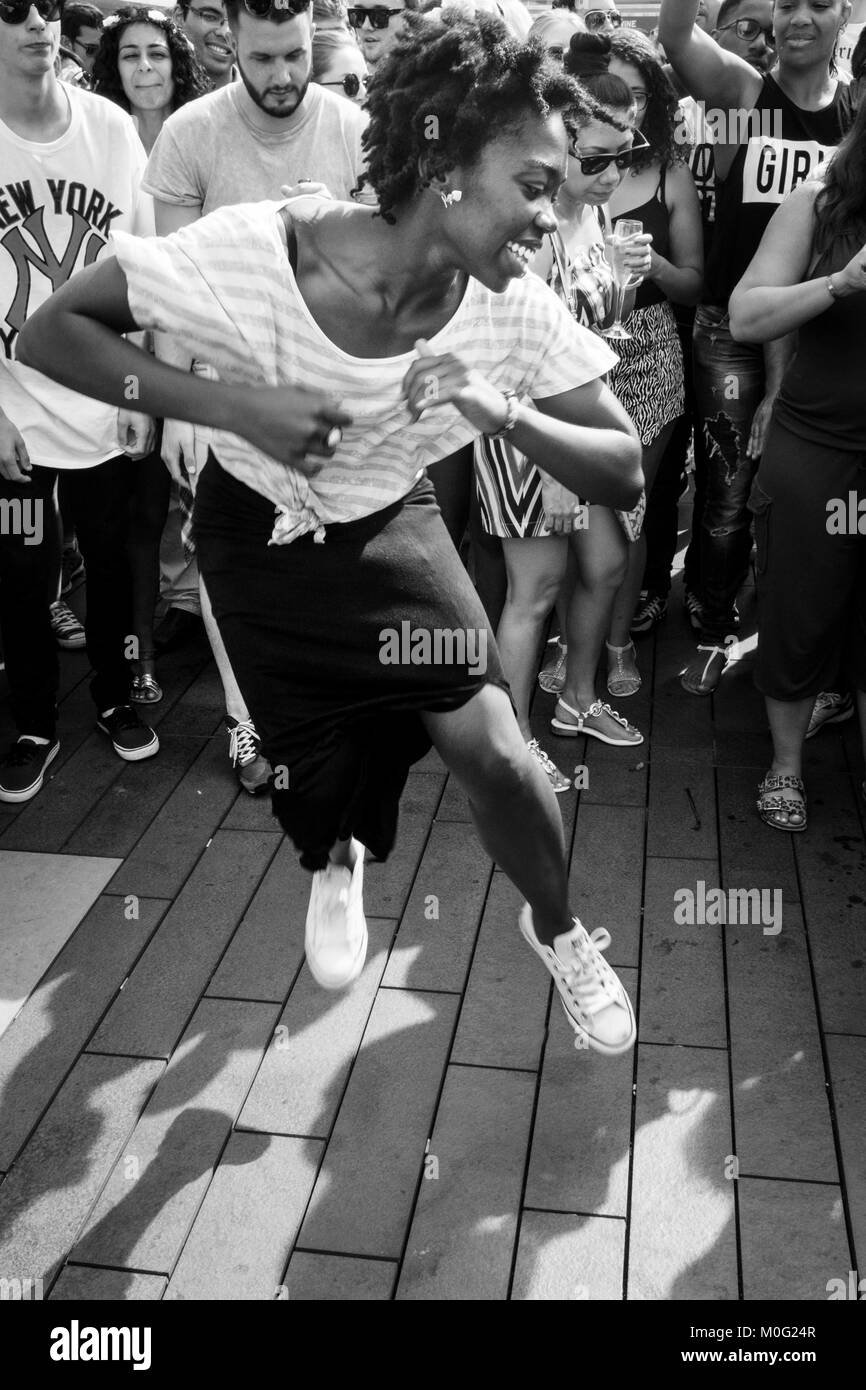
x: 624, y: 230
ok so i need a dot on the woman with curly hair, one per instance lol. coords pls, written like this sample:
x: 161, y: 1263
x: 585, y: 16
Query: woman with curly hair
x: 809, y: 494
x: 350, y: 621
x: 146, y: 64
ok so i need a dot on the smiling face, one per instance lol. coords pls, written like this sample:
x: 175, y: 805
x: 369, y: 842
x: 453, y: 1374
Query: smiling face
x: 144, y: 65
x: 806, y: 30
x: 597, y: 137
x: 507, y: 203
x: 205, y: 24
x: 28, y: 49
x: 275, y: 60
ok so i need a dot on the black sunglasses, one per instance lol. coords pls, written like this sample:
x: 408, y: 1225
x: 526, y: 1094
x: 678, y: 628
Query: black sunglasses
x: 16, y: 11
x: 351, y: 84
x: 379, y: 16
x: 597, y: 163
x: 259, y: 9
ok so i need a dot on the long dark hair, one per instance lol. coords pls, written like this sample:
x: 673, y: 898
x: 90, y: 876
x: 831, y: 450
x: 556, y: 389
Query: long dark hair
x: 658, y: 122
x: 190, y: 80
x: 840, y: 207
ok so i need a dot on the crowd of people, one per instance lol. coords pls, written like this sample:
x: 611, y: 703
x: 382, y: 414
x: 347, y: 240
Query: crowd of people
x: 310, y: 312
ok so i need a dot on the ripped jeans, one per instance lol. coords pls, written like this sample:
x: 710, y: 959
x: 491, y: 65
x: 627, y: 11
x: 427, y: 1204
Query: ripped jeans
x: 729, y: 387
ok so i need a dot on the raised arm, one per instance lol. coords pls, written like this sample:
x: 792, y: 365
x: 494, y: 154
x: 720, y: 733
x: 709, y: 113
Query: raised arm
x: 774, y: 297
x: 712, y: 75
x: 76, y: 338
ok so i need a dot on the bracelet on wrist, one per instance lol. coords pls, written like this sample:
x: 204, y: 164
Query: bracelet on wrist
x: 832, y: 290
x: 511, y: 408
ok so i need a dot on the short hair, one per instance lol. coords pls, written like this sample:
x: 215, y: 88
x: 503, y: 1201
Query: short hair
x: 292, y: 9
x: 445, y: 91
x: 190, y: 80
x: 727, y: 10
x: 77, y: 17
x: 327, y: 42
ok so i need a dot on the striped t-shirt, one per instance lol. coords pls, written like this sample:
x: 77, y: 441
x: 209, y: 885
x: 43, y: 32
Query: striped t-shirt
x: 224, y: 287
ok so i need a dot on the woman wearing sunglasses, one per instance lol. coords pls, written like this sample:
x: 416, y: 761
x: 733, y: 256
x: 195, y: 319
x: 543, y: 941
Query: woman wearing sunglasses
x: 318, y: 534
x: 551, y: 542
x: 339, y: 65
x: 660, y: 192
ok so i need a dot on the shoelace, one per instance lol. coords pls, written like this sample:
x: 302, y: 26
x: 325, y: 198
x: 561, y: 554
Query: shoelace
x: 63, y: 620
x: 243, y: 743
x: 547, y: 763
x: 591, y: 980
x: 651, y: 609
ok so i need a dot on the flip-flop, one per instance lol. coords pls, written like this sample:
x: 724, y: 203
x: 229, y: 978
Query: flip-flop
x: 145, y: 690
x: 704, y: 679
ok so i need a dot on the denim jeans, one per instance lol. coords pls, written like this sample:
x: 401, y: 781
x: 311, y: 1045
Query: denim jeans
x: 729, y: 387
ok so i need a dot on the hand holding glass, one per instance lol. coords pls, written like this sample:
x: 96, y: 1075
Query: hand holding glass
x: 615, y: 248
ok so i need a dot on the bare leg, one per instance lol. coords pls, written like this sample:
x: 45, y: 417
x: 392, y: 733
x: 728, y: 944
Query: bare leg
x: 236, y: 705
x: 601, y: 560
x: 514, y: 809
x: 535, y: 567
x: 629, y: 591
x: 789, y: 720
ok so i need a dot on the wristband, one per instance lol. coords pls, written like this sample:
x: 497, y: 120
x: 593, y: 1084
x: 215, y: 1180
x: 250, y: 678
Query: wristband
x: 831, y: 288
x: 511, y: 406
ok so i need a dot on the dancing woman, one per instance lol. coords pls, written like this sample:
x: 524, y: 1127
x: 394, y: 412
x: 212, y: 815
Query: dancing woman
x: 427, y: 328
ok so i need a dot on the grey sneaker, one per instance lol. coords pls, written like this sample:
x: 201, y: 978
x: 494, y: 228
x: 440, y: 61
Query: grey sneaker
x: 68, y: 632
x: 829, y: 708
x: 253, y: 770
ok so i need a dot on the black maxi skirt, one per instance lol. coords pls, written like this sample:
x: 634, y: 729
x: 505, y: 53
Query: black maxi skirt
x: 308, y: 630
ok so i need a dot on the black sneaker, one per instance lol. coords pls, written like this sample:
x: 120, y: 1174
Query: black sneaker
x: 22, y: 771
x: 650, y: 610
x: 131, y: 738
x: 72, y: 569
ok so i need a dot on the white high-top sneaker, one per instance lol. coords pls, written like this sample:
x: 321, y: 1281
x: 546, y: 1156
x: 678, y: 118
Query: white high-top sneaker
x: 336, y: 935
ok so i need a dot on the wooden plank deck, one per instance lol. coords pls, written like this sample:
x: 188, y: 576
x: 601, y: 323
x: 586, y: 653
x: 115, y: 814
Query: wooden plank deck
x: 186, y: 1115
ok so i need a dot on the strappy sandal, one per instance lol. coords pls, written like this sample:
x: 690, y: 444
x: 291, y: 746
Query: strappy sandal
x: 597, y: 708
x: 703, y: 679
x: 771, y: 803
x: 622, y: 680
x: 145, y: 690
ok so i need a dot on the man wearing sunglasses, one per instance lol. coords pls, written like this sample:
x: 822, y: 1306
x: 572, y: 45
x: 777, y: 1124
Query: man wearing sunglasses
x: 377, y: 28
x: 70, y: 174
x: 241, y: 144
x: 205, y: 24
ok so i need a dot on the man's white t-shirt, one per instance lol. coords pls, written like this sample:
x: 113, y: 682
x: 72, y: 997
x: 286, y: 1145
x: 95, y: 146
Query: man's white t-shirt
x: 59, y: 204
x: 221, y: 149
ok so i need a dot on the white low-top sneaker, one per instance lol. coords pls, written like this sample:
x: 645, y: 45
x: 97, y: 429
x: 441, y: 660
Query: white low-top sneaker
x: 593, y: 996
x: 336, y: 935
